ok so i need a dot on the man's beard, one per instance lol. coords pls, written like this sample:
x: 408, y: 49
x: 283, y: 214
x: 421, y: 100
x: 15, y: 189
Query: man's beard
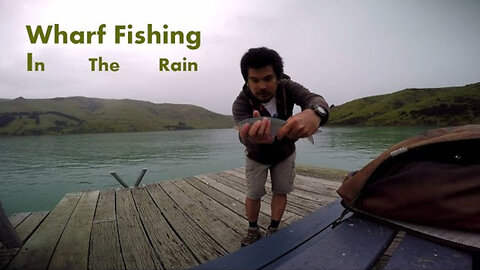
x: 264, y: 96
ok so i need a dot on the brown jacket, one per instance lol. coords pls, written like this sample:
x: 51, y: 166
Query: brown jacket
x: 288, y: 93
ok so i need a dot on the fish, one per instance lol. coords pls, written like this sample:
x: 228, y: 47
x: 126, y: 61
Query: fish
x: 275, y: 126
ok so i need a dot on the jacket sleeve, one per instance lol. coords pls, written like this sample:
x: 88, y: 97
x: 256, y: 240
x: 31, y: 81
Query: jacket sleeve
x: 306, y: 99
x: 241, y: 110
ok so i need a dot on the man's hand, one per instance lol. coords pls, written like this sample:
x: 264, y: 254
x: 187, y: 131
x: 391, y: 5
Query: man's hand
x: 257, y: 133
x: 300, y: 125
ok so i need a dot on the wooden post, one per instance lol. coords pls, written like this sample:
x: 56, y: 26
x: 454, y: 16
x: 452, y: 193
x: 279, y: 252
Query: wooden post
x: 8, y: 235
x: 140, y: 177
x: 115, y: 175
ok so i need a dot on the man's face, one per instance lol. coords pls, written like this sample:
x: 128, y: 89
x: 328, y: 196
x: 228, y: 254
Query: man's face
x: 262, y: 82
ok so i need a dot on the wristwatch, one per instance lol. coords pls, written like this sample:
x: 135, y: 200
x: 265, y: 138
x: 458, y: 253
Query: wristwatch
x: 320, y: 111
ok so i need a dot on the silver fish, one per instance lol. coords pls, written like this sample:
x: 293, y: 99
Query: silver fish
x: 275, y: 126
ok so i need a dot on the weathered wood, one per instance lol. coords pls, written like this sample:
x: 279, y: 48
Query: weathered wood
x: 319, y: 185
x: 227, y: 201
x: 293, y: 197
x: 201, y: 244
x: 312, y: 180
x: 316, y: 189
x: 37, y: 251
x: 236, y: 222
x: 220, y: 232
x: 30, y: 224
x: 8, y: 235
x: 105, y: 250
x: 292, y: 206
x: 169, y: 225
x: 72, y: 249
x: 238, y: 195
x: 17, y: 218
x: 135, y: 245
x: 172, y: 251
x: 297, y: 197
x: 105, y: 210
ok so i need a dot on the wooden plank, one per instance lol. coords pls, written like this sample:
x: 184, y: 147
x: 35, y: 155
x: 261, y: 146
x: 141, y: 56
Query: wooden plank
x: 37, y: 251
x: 416, y: 253
x: 313, y: 180
x: 30, y: 224
x: 201, y: 244
x: 234, y: 205
x: 356, y: 243
x: 72, y: 249
x: 237, y: 223
x: 228, y: 238
x: 293, y: 198
x: 17, y: 218
x: 105, y: 210
x: 169, y: 247
x: 239, y: 196
x: 105, y: 250
x: 267, y: 250
x: 320, y: 186
x: 238, y: 183
x: 135, y: 245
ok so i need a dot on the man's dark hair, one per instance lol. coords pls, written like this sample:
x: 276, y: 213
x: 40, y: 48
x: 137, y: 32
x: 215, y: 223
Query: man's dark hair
x: 259, y: 58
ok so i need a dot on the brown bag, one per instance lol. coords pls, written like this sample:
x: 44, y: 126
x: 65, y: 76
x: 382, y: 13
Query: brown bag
x: 431, y: 179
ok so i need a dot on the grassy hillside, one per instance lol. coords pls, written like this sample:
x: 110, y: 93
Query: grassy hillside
x: 435, y: 106
x: 92, y: 115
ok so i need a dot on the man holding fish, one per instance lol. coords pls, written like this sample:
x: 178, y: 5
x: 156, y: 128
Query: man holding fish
x: 263, y: 113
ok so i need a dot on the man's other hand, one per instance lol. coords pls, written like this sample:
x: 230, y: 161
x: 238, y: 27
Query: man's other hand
x: 258, y: 132
x: 300, y: 125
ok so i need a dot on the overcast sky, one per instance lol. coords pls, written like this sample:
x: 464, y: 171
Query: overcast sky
x: 342, y: 50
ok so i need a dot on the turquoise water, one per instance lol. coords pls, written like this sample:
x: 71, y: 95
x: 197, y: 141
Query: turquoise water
x: 36, y: 172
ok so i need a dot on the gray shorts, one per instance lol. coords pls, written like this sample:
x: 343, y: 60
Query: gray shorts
x: 282, y: 175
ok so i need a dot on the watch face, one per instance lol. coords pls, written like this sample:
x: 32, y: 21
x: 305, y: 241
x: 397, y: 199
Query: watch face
x: 321, y: 110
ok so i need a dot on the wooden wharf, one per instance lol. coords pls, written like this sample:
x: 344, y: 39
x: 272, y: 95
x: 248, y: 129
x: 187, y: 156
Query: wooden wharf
x: 174, y: 224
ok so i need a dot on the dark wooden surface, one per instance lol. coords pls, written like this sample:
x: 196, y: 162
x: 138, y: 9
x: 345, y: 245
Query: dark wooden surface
x: 358, y: 242
x: 354, y: 244
x: 416, y: 253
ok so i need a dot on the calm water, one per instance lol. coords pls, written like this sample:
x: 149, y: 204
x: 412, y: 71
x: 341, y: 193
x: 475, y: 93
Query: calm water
x: 36, y: 172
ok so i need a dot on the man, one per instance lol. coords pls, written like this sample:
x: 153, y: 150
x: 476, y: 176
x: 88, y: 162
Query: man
x: 269, y: 92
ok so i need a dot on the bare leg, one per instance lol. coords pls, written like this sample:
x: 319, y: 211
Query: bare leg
x: 253, y: 209
x: 279, y: 202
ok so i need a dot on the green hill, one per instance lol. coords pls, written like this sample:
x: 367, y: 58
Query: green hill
x: 93, y: 115
x: 436, y: 106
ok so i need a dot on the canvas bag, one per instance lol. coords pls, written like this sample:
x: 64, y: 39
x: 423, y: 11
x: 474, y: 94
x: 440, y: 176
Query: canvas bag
x: 431, y: 179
